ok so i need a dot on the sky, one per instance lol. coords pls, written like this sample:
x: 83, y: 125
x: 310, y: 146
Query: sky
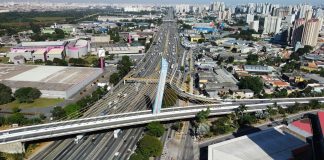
x: 229, y: 2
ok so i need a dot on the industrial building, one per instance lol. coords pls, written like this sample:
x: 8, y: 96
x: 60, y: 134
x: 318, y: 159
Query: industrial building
x: 125, y: 50
x: 77, y: 49
x: 52, y: 81
x: 38, y: 50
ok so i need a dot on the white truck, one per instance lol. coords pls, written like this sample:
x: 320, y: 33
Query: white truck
x: 78, y: 138
x: 116, y: 133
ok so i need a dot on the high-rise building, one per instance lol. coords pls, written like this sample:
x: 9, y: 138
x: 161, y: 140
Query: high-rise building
x: 302, y: 10
x: 254, y: 25
x: 308, y: 15
x: 310, y: 32
x: 272, y: 24
x: 217, y: 6
x: 297, y: 31
x: 249, y: 18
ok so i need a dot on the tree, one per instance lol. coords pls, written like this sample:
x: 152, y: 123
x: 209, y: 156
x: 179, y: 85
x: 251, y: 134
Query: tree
x: 314, y: 104
x: 35, y: 28
x: 58, y: 113
x: 252, y: 59
x: 124, y: 66
x: 27, y: 94
x: 321, y: 72
x: 72, y: 110
x: 230, y: 59
x: 59, y: 33
x: 253, y: 83
x: 150, y: 146
x: 5, y: 94
x: 155, y: 129
x: 202, y: 115
x: 271, y: 111
x: 177, y: 126
x: 222, y: 125
x: 114, y: 78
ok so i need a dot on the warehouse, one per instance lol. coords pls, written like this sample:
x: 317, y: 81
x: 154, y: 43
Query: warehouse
x: 52, y: 81
x: 77, y: 49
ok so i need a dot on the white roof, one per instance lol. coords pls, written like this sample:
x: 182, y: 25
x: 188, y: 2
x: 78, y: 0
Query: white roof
x: 39, y: 52
x: 265, y: 145
x: 81, y: 43
x: 56, y: 51
x: 50, y: 43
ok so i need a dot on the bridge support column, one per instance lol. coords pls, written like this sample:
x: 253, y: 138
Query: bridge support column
x: 159, y: 95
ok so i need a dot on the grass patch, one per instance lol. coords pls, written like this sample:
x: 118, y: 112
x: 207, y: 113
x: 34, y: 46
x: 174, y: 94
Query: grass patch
x: 38, y: 103
x: 4, y: 59
x: 89, y: 58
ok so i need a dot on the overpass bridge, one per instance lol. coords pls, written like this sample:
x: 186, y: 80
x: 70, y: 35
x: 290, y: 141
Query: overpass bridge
x: 84, y: 125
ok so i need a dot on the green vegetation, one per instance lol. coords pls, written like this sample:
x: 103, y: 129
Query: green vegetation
x: 202, y: 116
x: 5, y: 94
x: 223, y: 125
x: 27, y: 94
x: 75, y: 110
x: 57, y: 35
x: 290, y: 66
x: 149, y: 146
x: 58, y: 113
x: 124, y: 66
x: 155, y: 129
x: 18, y: 118
x: 244, y: 35
x: 38, y: 103
x: 252, y: 59
x: 253, y: 83
x: 78, y: 62
x: 114, y: 34
x: 4, y: 59
x: 177, y: 126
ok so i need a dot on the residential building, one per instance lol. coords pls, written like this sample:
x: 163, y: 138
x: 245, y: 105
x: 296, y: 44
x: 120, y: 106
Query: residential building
x: 272, y: 24
x: 254, y: 25
x: 311, y: 32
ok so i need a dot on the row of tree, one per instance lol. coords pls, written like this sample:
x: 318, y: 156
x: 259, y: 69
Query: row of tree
x: 22, y: 95
x: 16, y: 117
x: 75, y: 110
x: 124, y: 66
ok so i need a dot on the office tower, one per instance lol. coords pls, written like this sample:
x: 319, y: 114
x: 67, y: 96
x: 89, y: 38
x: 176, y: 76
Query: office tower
x: 311, y: 31
x: 297, y: 31
x: 272, y: 24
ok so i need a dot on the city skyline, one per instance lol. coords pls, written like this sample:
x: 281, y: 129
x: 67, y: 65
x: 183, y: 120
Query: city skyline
x: 230, y: 2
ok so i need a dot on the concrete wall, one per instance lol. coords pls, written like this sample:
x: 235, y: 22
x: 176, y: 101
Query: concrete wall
x: 76, y: 88
x: 12, y: 148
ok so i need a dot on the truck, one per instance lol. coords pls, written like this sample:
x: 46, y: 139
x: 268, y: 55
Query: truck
x: 116, y: 133
x: 78, y: 138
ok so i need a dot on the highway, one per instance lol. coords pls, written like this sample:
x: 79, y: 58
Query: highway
x: 139, y: 97
x: 121, y: 120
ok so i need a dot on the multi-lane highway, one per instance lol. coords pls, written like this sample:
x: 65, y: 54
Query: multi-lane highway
x: 124, y: 98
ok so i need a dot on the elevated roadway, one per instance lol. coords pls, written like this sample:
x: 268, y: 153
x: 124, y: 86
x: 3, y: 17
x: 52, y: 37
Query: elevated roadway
x: 79, y: 126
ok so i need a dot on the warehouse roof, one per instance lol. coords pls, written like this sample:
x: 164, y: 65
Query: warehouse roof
x: 265, y: 145
x: 47, y: 43
x: 57, y: 78
x: 55, y: 51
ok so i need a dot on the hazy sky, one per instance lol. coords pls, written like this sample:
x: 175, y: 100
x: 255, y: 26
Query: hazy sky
x: 232, y: 2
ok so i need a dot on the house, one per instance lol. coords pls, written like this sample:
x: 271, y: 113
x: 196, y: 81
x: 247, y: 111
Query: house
x: 243, y: 93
